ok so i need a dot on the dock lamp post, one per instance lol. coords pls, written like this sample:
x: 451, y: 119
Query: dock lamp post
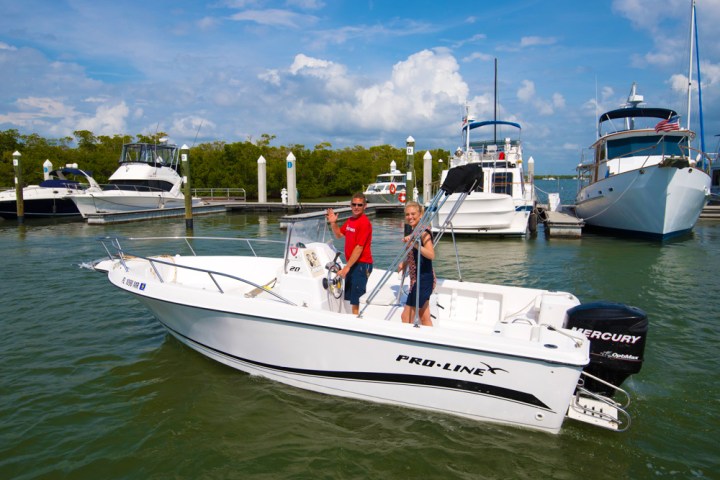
x: 185, y: 165
x: 18, y: 188
x: 410, y: 164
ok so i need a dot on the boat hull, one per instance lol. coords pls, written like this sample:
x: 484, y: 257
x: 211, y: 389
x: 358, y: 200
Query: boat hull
x: 487, y: 213
x: 341, y: 364
x: 383, y: 198
x: 125, y: 201
x: 39, y: 202
x: 654, y: 201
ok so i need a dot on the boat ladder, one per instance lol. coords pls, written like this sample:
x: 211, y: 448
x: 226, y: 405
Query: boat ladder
x: 599, y: 410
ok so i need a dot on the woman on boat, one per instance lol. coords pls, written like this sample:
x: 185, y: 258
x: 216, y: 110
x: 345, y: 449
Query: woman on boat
x: 426, y: 254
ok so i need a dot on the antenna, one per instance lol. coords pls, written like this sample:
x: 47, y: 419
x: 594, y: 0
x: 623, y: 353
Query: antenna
x: 197, y: 133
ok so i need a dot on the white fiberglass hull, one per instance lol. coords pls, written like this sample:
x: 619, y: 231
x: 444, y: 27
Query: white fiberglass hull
x: 475, y: 363
x: 487, y: 213
x: 40, y: 202
x: 654, y: 201
x: 387, y: 197
x: 119, y: 201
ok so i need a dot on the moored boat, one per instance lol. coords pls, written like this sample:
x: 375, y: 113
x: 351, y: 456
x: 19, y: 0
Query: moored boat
x: 511, y: 355
x: 504, y: 201
x: 52, y: 197
x: 146, y: 179
x: 642, y: 179
x: 388, y: 187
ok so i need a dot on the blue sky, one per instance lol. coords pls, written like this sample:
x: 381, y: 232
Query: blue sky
x: 349, y: 72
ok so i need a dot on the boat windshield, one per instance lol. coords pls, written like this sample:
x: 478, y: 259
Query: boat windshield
x: 154, y: 154
x: 307, y: 231
x: 389, y: 178
x: 648, y: 145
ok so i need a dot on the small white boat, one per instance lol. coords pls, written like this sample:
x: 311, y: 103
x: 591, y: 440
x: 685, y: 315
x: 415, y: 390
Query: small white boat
x: 388, y: 187
x: 510, y: 355
x: 52, y: 197
x: 504, y: 201
x: 147, y: 179
x: 642, y: 180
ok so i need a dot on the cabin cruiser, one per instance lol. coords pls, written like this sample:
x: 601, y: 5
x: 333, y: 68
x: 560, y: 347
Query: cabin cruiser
x: 504, y: 354
x: 641, y: 180
x: 52, y: 197
x: 388, y: 187
x: 146, y: 179
x: 504, y: 202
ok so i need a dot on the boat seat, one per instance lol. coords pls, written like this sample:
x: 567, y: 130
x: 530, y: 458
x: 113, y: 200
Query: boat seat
x: 468, y: 306
x: 388, y: 295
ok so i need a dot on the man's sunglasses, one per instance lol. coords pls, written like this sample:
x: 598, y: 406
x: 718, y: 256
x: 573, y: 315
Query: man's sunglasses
x: 357, y: 204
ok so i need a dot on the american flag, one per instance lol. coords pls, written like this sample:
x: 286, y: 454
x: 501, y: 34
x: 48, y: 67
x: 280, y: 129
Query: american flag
x: 672, y: 123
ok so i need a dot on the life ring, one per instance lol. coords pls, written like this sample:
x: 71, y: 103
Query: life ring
x: 392, y: 189
x: 401, y: 197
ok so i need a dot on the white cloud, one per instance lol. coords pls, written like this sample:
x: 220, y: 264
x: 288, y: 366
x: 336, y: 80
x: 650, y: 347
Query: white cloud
x: 315, y: 67
x: 206, y: 23
x: 421, y: 86
x: 306, y: 4
x: 271, y: 76
x: 108, y: 120
x: 191, y: 126
x: 534, y: 40
x: 419, y: 93
x: 5, y: 46
x: 526, y: 92
x: 275, y: 18
x: 477, y: 56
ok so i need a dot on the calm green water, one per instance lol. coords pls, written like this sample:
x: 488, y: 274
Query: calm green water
x: 92, y: 387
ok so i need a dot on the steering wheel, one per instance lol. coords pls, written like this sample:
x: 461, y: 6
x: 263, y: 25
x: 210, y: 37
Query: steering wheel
x: 333, y: 282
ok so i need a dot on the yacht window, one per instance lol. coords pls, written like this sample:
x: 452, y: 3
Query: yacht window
x: 651, y: 145
x: 502, y: 182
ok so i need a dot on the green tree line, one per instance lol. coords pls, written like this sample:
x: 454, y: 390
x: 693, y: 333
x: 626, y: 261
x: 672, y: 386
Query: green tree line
x: 321, y: 172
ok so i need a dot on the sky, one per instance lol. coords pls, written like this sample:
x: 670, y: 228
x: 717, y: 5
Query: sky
x: 352, y: 72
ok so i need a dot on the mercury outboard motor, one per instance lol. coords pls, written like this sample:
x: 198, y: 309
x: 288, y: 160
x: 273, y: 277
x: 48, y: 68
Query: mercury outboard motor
x: 617, y: 335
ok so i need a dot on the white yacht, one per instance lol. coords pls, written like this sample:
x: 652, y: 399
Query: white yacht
x: 504, y: 201
x: 52, y: 197
x: 388, y: 187
x: 147, y: 179
x: 642, y: 179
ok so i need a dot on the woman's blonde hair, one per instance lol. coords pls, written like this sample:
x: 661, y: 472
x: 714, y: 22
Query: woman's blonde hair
x: 419, y: 207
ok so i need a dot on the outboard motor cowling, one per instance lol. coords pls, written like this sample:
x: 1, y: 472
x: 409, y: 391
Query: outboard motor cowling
x: 617, y: 335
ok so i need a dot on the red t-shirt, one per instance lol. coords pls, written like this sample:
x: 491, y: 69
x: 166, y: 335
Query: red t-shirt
x: 358, y: 231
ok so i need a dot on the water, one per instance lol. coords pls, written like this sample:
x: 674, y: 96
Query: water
x: 92, y: 387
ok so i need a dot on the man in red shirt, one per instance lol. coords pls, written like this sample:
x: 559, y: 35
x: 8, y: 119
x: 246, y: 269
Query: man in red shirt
x: 357, y: 231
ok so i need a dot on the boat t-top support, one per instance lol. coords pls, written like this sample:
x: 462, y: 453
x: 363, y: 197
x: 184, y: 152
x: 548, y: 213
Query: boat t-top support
x: 463, y: 180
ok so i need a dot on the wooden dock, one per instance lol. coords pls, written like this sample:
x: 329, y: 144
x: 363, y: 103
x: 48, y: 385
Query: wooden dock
x: 139, y: 215
x: 711, y: 212
x: 342, y: 212
x: 294, y: 212
x: 560, y: 224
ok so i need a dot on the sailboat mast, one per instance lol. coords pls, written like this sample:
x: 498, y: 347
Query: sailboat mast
x: 699, y: 80
x: 690, y: 68
x: 495, y: 108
